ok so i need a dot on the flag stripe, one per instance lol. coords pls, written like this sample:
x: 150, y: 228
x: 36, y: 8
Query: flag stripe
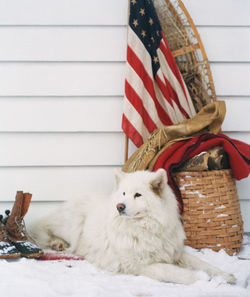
x: 137, y: 84
x: 165, y: 93
x: 169, y: 91
x: 190, y: 102
x: 163, y: 87
x: 135, y: 118
x: 148, y: 83
x: 169, y: 108
x: 136, y: 101
x: 170, y: 59
x: 139, y: 49
x: 174, y: 82
x: 131, y: 132
x: 164, y: 47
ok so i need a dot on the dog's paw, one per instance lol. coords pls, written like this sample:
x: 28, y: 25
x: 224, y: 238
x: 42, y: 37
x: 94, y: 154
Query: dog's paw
x: 229, y: 278
x: 58, y: 244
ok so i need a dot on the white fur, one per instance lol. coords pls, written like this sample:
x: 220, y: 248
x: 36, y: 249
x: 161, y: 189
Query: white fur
x: 146, y: 239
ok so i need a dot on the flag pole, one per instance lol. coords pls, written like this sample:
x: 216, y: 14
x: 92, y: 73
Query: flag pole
x: 126, y: 137
x: 126, y: 148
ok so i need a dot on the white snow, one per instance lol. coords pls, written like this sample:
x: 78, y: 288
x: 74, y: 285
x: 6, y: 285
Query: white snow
x: 195, y: 192
x: 222, y: 206
x: 222, y: 215
x: 29, y: 278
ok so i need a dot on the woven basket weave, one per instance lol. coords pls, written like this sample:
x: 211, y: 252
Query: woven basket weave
x: 212, y: 216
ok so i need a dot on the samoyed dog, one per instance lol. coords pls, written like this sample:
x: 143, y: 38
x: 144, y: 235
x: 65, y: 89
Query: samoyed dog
x: 136, y: 230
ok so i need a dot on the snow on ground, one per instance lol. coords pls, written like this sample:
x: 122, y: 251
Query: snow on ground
x: 29, y: 278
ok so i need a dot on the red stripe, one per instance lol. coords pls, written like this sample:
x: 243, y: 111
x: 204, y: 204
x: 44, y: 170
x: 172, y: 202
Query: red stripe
x: 163, y: 89
x: 136, y: 101
x: 169, y: 93
x: 131, y: 132
x: 175, y: 98
x: 171, y: 62
x: 137, y: 65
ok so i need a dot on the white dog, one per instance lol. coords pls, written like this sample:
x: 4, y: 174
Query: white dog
x: 136, y: 230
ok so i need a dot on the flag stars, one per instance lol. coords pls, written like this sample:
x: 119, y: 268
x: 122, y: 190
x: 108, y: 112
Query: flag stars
x: 155, y: 59
x: 142, y: 11
x: 157, y: 33
x: 143, y: 33
x: 135, y: 22
x: 151, y: 21
x: 153, y: 40
x: 133, y: 2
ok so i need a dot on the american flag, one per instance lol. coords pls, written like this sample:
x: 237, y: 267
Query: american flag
x: 155, y: 92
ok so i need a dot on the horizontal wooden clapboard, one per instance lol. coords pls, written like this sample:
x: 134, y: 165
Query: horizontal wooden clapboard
x: 67, y: 149
x: 237, y: 114
x: 41, y: 209
x: 113, y: 12
x: 229, y: 44
x: 83, y: 43
x: 62, y: 183
x: 78, y: 79
x: 219, y: 13
x: 72, y: 12
x: 89, y: 114
x: 64, y: 43
x: 60, y: 149
x: 65, y: 114
x: 231, y: 79
x: 55, y: 183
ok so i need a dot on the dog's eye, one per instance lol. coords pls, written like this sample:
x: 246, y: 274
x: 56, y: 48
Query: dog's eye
x: 137, y: 195
x: 123, y: 193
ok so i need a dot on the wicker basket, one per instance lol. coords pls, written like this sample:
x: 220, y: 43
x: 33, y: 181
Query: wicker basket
x: 212, y: 216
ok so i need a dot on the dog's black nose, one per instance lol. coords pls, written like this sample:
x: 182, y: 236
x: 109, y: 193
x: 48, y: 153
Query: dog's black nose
x: 120, y: 207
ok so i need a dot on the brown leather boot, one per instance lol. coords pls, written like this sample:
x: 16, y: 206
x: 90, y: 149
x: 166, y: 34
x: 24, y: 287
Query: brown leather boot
x: 7, y: 249
x: 16, y: 229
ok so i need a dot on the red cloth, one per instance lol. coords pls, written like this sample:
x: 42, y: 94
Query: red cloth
x: 52, y: 256
x: 178, y: 153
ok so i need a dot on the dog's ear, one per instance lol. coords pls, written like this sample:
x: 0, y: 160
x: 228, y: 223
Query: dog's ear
x: 118, y: 176
x: 159, y: 181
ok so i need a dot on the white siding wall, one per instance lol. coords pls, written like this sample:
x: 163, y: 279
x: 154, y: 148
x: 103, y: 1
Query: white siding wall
x: 61, y: 83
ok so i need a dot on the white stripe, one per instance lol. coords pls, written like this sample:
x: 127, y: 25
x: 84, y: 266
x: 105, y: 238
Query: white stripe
x: 191, y: 105
x: 178, y: 116
x: 137, y: 84
x: 167, y: 71
x: 135, y: 119
x: 168, y: 108
x: 139, y: 49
